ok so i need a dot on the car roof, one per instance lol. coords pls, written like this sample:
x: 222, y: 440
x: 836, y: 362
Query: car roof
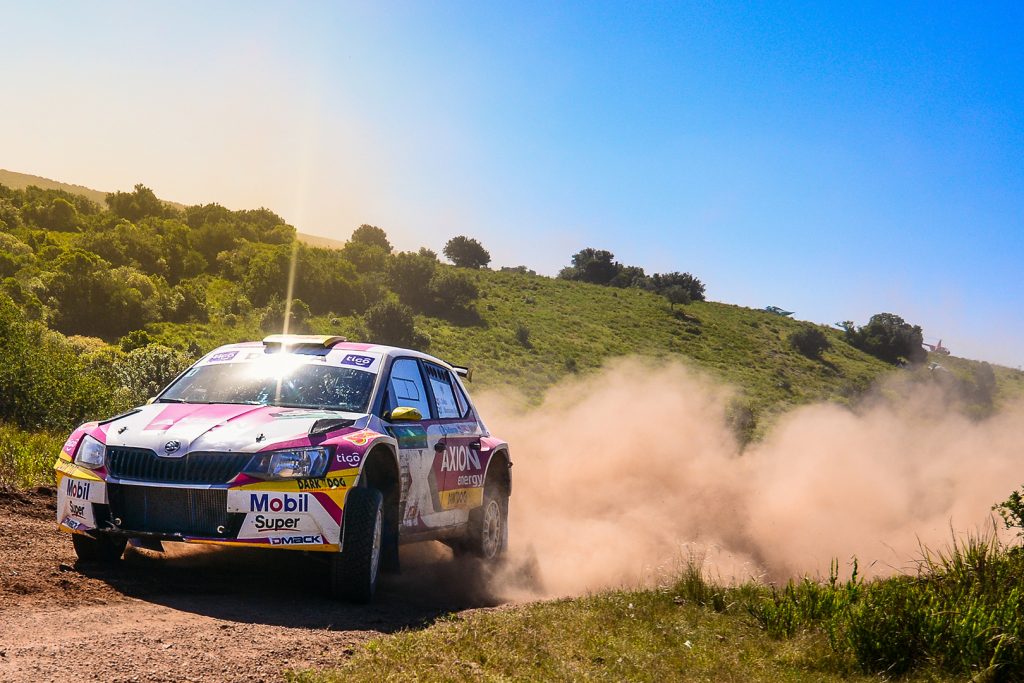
x: 331, y: 342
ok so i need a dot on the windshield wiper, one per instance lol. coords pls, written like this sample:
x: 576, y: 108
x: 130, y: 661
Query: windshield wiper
x: 170, y: 400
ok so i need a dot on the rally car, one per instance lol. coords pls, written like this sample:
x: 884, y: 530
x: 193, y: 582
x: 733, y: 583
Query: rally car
x: 297, y: 442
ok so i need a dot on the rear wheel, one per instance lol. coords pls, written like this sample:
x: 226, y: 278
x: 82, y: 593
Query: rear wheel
x: 102, y: 548
x: 354, y: 571
x: 487, y: 537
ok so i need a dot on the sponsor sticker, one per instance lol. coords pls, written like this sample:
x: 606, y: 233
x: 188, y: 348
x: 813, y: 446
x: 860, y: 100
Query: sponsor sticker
x: 470, y: 480
x: 222, y: 357
x: 262, y: 523
x: 362, y: 437
x: 314, y: 539
x: 460, y: 459
x: 350, y: 459
x: 357, y: 360
x: 77, y: 489
x: 278, y: 502
x: 321, y: 483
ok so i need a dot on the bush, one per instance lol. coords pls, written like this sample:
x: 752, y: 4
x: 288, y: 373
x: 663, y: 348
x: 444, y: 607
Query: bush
x: 810, y: 342
x: 453, y: 291
x: 662, y: 282
x: 273, y: 318
x: 523, y: 335
x: 888, y: 337
x: 1012, y: 511
x: 135, y: 340
x: 409, y: 275
x: 392, y: 323
x: 148, y: 369
x: 466, y: 252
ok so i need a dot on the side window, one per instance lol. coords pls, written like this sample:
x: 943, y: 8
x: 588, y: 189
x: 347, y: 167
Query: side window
x: 444, y: 394
x: 405, y: 387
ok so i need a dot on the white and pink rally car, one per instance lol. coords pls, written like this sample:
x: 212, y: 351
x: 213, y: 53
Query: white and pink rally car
x: 296, y: 442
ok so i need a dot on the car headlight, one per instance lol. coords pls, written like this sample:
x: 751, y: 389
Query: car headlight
x: 89, y: 453
x: 289, y: 463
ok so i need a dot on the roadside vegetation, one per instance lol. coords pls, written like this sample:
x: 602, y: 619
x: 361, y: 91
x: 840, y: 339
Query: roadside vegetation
x: 958, y: 617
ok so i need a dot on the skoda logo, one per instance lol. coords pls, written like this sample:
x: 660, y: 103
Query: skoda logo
x: 171, y: 446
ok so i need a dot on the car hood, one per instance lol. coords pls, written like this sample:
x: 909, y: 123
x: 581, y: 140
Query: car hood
x: 217, y: 427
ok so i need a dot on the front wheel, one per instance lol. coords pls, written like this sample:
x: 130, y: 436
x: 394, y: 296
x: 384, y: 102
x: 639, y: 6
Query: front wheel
x: 102, y: 548
x: 354, y: 571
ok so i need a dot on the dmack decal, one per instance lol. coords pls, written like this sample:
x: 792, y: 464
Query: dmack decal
x: 459, y: 458
x: 297, y: 540
x: 265, y: 502
x: 77, y: 489
x: 362, y: 437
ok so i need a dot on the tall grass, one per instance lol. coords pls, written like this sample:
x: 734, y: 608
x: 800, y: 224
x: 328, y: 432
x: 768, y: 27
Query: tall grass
x: 961, y: 613
x: 26, y: 458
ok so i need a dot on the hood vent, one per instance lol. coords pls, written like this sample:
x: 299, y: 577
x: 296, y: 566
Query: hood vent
x: 326, y: 425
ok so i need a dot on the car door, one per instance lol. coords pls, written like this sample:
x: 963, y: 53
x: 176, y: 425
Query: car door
x: 459, y: 433
x: 418, y: 461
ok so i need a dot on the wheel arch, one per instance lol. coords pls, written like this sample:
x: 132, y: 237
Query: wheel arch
x: 501, y: 470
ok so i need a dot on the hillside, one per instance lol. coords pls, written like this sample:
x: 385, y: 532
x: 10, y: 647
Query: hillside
x: 20, y: 181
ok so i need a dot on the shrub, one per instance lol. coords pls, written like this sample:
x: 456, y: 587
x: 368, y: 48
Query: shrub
x: 889, y: 337
x: 523, y: 335
x: 391, y: 323
x: 409, y: 275
x: 453, y: 291
x: 809, y: 341
x: 135, y: 340
x: 148, y: 369
x: 466, y: 252
x: 273, y: 319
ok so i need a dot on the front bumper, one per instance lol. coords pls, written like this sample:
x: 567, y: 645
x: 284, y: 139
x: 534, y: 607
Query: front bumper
x: 304, y: 514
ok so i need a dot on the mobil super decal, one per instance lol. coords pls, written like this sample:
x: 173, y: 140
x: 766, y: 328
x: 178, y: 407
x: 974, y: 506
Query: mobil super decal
x: 77, y: 489
x: 459, y: 459
x: 267, y: 502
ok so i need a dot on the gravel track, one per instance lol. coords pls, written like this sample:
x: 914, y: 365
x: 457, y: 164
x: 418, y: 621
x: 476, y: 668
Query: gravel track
x: 195, y: 613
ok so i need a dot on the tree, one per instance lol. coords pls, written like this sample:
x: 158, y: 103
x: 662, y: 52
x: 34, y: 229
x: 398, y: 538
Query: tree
x: 392, y: 323
x: 273, y: 319
x: 371, y: 235
x: 466, y: 252
x: 659, y: 282
x: 889, y: 337
x: 677, y: 295
x: 809, y: 341
x: 592, y: 265
x: 137, y: 204
x: 409, y: 275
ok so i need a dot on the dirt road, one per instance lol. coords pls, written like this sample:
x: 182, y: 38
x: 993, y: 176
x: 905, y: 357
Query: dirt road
x: 193, y: 614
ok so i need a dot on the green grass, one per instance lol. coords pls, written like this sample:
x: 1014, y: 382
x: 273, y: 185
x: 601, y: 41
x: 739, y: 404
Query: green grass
x: 26, y: 458
x: 958, y: 618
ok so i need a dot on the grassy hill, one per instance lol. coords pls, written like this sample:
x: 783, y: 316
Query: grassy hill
x: 19, y: 181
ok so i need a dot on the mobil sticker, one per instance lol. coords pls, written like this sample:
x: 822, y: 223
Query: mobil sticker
x: 278, y: 502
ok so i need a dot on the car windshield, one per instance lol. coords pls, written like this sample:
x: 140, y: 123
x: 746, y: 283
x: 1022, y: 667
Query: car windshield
x: 281, y: 380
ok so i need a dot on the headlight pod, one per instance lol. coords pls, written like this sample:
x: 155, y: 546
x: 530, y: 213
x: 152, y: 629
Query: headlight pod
x: 290, y: 463
x: 89, y: 453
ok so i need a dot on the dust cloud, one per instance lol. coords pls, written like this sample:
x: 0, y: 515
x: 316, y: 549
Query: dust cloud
x: 619, y: 475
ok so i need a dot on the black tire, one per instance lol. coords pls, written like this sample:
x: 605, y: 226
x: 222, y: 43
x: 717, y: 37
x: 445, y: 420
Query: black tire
x: 103, y: 548
x: 355, y: 569
x: 487, y: 537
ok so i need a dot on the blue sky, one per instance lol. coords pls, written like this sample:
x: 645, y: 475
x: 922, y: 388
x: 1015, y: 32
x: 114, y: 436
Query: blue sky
x: 836, y: 160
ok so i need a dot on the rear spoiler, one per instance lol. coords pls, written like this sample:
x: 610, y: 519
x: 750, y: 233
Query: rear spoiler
x: 466, y: 373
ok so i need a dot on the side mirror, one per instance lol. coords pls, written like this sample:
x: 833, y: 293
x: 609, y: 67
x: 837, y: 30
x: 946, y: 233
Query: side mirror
x: 404, y: 414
